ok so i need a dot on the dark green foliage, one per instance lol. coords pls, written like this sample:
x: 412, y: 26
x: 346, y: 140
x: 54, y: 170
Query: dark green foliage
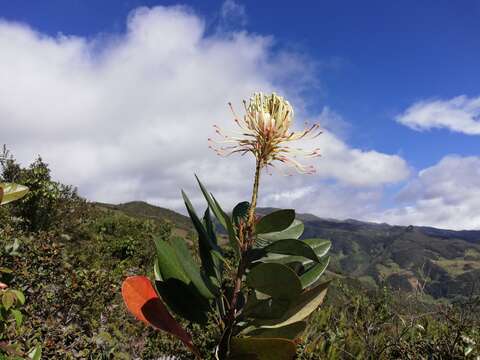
x: 48, y: 203
x: 275, y: 221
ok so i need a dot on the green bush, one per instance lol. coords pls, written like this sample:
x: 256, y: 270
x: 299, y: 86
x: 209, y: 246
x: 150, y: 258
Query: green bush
x: 48, y: 204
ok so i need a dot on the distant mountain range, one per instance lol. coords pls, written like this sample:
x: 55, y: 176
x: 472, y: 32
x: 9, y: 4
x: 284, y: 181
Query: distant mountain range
x: 442, y: 263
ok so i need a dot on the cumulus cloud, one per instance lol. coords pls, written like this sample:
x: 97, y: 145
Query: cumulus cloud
x: 445, y: 195
x: 460, y: 114
x: 128, y: 116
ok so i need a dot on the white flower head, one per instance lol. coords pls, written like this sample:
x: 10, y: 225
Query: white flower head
x: 265, y: 131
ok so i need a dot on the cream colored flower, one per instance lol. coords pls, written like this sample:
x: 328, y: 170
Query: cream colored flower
x: 264, y: 131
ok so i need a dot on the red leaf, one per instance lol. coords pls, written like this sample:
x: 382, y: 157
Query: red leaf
x: 143, y: 302
x: 136, y: 291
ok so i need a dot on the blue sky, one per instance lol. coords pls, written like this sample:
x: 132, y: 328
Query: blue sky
x: 369, y: 62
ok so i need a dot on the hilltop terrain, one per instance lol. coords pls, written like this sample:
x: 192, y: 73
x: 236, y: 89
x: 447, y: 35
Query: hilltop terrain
x: 442, y: 263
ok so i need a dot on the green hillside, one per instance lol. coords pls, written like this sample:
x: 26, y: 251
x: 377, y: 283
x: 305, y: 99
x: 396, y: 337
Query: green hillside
x: 141, y: 209
x: 442, y: 263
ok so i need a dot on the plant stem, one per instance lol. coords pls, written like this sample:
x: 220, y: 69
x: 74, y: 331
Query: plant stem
x: 245, y: 243
x: 253, y: 203
x: 245, y: 233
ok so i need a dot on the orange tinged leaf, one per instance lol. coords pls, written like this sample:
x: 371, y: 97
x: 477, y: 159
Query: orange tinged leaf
x: 136, y: 291
x: 143, y: 302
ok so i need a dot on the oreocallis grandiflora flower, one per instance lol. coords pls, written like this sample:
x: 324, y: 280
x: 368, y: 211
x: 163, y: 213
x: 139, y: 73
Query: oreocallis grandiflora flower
x: 265, y: 131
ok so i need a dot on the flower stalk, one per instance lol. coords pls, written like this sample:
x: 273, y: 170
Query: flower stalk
x: 253, y: 203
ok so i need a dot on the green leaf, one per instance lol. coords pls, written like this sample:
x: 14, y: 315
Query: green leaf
x: 240, y: 211
x: 209, y: 226
x: 177, y: 289
x: 8, y: 299
x: 232, y: 235
x: 275, y: 221
x: 214, y: 206
x: 291, y: 331
x: 320, y: 246
x: 294, y: 231
x: 221, y: 216
x: 217, y: 258
x: 269, y: 308
x: 312, y: 275
x: 468, y: 350
x: 190, y: 268
x: 18, y: 316
x: 276, y: 280
x: 205, y: 244
x: 292, y: 247
x: 184, y: 300
x: 156, y: 271
x: 19, y: 295
x: 262, y: 349
x: 11, y: 192
x: 307, y: 303
x: 168, y: 263
x: 35, y: 353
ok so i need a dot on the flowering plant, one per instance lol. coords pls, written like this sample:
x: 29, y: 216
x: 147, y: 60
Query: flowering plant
x: 262, y: 297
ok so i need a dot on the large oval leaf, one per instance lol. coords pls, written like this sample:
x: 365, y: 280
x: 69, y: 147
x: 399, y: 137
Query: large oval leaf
x: 312, y: 275
x: 292, y: 247
x: 307, y: 303
x: 262, y: 349
x: 184, y: 300
x: 292, y: 331
x: 269, y: 308
x: 176, y: 287
x: 276, y: 221
x: 294, y: 231
x: 320, y: 246
x: 143, y: 302
x: 10, y: 192
x: 278, y: 281
x: 168, y: 263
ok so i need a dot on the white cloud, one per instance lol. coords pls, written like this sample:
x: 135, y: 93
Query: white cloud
x: 128, y: 117
x: 460, y: 114
x: 445, y: 195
